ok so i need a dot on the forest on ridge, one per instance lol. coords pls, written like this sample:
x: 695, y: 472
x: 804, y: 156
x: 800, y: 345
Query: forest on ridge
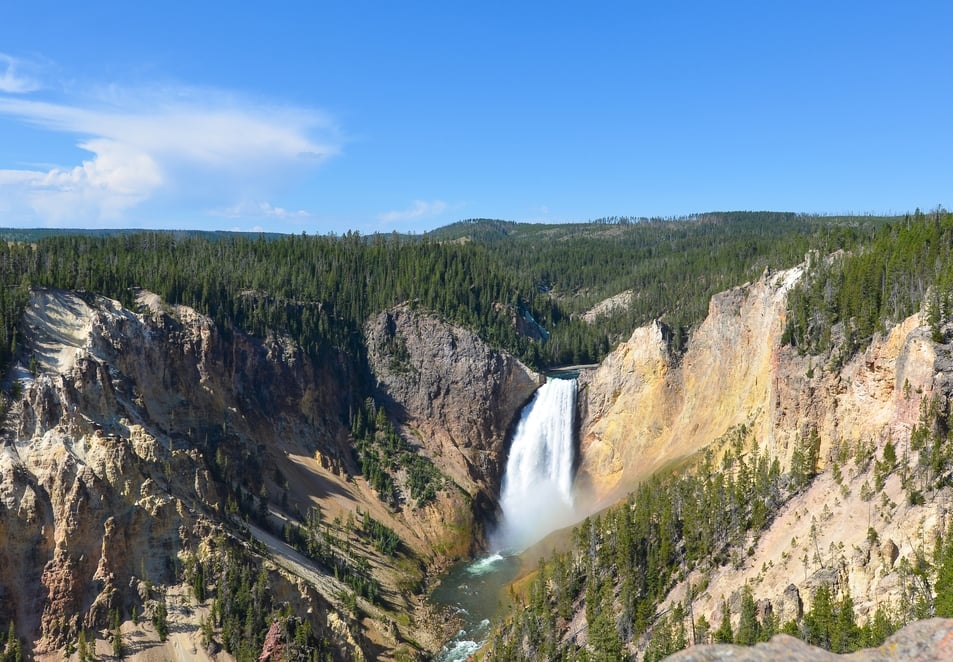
x: 481, y: 274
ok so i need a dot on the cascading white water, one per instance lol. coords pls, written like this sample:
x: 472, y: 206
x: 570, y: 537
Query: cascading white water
x: 536, y: 497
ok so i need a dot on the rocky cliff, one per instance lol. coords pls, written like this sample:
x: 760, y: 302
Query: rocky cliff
x: 642, y: 409
x: 106, y: 465
x: 450, y: 393
x: 862, y: 525
x: 144, y: 439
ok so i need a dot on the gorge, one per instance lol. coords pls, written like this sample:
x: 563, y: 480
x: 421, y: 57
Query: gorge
x: 253, y: 469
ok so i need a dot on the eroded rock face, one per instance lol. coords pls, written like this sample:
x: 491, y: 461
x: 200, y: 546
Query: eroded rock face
x: 790, y: 606
x: 643, y: 409
x: 450, y: 391
x: 627, y: 406
x: 138, y: 429
x: 105, y: 460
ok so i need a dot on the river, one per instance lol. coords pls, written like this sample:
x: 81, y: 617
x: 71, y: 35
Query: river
x: 476, y: 591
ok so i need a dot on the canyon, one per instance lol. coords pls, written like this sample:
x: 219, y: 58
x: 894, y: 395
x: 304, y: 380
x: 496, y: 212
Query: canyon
x: 143, y: 439
x: 645, y: 410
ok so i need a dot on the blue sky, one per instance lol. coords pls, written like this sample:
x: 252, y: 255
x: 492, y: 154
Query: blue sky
x: 323, y: 117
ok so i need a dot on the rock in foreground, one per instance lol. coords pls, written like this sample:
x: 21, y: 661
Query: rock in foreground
x: 923, y: 641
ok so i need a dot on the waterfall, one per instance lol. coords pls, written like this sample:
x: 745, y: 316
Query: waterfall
x: 536, y: 497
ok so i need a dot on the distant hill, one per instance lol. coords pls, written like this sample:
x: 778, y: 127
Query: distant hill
x: 36, y: 234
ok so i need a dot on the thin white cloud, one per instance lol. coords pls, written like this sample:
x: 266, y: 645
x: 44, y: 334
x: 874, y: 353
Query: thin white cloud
x: 419, y: 209
x: 12, y: 80
x: 176, y: 142
x: 260, y: 210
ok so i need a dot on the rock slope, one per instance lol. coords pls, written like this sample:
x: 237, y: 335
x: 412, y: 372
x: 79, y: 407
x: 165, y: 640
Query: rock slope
x: 922, y: 641
x: 138, y: 430
x: 860, y: 526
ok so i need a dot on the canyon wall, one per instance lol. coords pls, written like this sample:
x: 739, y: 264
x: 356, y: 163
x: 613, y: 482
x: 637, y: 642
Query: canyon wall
x: 449, y: 390
x: 137, y: 431
x: 644, y: 409
x: 106, y: 459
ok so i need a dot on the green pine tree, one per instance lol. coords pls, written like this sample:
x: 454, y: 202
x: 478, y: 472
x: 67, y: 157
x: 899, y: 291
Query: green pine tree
x: 819, y: 621
x: 724, y: 633
x: 702, y: 630
x: 82, y: 648
x: 845, y: 636
x: 12, y: 651
x: 160, y: 619
x: 749, y: 629
x: 943, y: 605
x: 116, y: 633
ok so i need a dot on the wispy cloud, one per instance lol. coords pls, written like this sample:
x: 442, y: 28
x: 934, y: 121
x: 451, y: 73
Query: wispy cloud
x: 419, y: 209
x: 176, y: 142
x: 260, y: 210
x: 12, y: 78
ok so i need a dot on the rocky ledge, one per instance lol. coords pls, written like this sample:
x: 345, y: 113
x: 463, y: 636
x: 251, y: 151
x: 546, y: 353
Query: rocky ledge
x: 922, y: 641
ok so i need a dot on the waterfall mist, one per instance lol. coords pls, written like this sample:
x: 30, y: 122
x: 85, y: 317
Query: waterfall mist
x: 536, y: 496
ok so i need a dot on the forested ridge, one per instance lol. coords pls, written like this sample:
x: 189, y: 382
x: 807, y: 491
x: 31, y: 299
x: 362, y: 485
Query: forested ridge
x: 845, y: 298
x: 318, y: 290
x: 482, y: 275
x: 672, y: 267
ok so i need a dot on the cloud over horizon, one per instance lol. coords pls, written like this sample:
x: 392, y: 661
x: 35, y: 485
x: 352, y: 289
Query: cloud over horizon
x: 260, y: 210
x: 419, y: 209
x: 174, y: 142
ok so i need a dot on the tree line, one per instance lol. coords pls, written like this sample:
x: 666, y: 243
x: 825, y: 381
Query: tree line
x: 844, y: 299
x: 483, y: 275
x: 673, y: 267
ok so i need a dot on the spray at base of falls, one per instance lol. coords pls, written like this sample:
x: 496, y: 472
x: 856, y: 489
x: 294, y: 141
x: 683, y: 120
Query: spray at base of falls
x: 536, y: 497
